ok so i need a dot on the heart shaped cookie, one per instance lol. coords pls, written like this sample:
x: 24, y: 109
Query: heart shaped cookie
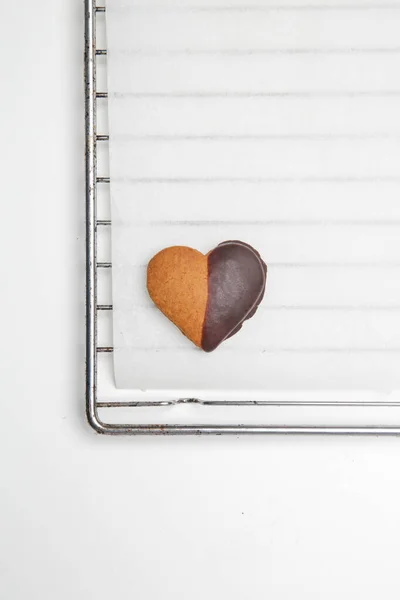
x: 207, y: 296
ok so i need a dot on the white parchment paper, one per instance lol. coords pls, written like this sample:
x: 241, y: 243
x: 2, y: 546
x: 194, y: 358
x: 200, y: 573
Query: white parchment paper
x: 278, y: 125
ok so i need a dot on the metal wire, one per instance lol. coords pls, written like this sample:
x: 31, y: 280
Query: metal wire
x: 92, y: 307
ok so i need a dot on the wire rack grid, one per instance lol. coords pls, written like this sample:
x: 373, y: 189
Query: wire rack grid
x: 93, y: 308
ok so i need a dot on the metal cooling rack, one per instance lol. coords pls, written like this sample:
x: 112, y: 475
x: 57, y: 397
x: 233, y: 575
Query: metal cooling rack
x: 94, y: 267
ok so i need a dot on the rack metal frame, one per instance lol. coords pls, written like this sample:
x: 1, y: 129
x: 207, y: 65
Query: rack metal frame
x: 92, y: 266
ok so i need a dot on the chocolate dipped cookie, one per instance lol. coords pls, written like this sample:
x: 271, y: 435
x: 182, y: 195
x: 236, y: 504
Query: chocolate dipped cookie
x: 207, y: 296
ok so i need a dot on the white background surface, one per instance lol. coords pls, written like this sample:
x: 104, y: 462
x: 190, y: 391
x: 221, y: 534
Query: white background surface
x: 84, y: 516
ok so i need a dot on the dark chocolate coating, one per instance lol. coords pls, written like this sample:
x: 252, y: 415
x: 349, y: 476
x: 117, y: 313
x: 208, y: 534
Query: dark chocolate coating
x: 236, y: 285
